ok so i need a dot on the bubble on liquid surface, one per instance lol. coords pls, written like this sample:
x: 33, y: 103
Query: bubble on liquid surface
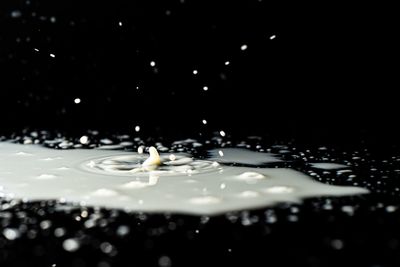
x: 180, y: 184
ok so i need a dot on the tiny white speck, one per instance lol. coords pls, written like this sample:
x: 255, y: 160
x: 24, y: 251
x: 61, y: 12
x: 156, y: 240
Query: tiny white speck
x: 222, y: 133
x: 195, y: 72
x: 52, y: 55
x: 77, y: 100
x: 204, y: 122
x: 272, y: 37
x: 205, y: 88
x: 120, y: 23
x: 152, y: 63
x: 243, y: 47
x: 227, y: 63
x: 137, y: 128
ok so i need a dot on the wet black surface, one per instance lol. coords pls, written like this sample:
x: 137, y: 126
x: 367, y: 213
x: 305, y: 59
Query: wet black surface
x: 322, y: 89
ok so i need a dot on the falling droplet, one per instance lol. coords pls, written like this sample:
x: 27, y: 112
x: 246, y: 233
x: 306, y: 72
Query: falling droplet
x: 243, y: 47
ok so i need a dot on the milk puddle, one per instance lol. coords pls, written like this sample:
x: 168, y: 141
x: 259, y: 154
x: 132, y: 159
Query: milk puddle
x: 183, y: 184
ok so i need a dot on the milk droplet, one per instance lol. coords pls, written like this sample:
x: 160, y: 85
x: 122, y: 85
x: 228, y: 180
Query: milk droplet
x: 249, y: 194
x: 11, y: 233
x: 221, y: 153
x: 205, y: 88
x: 251, y: 176
x: 204, y: 200
x: 222, y: 133
x: 104, y: 192
x: 152, y: 63
x: 204, y: 122
x: 279, y: 190
x: 84, y: 139
x: 272, y: 37
x: 137, y: 128
x: 77, y: 100
x: 46, y: 176
x: 120, y: 23
x: 195, y: 72
x: 52, y: 55
x: 71, y: 245
x: 243, y: 47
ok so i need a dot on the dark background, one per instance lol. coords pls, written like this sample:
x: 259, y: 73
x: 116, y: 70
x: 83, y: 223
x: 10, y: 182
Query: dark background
x: 330, y: 73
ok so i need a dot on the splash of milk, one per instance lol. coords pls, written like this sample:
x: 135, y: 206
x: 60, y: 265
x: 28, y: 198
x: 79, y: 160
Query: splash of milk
x: 186, y: 185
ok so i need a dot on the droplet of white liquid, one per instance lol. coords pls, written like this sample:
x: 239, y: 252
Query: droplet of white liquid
x: 195, y: 72
x: 272, y: 37
x: 152, y: 63
x: 77, y: 100
x: 227, y: 63
x: 104, y: 192
x: 204, y: 200
x: 172, y: 157
x: 37, y: 50
x: 222, y: 133
x: 71, y: 244
x: 243, y: 47
x: 251, y: 176
x: 46, y: 176
x: 120, y: 23
x: 221, y: 154
x: 137, y: 128
x: 204, y: 122
x: 153, y: 161
x: 140, y: 149
x: 84, y: 139
x: 11, y: 233
x: 279, y: 190
x: 205, y: 88
x: 52, y: 55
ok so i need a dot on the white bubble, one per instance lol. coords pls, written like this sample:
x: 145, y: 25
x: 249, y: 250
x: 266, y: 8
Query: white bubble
x: 84, y: 139
x: 77, y: 100
x: 243, y: 47
x: 71, y: 244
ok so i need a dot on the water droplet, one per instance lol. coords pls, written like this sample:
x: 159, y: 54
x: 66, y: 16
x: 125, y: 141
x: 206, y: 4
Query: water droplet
x: 71, y: 244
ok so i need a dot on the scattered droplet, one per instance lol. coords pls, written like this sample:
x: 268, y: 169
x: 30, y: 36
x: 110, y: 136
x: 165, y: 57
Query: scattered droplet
x: 84, y: 140
x: 243, y: 47
x: 77, y: 100
x: 71, y: 245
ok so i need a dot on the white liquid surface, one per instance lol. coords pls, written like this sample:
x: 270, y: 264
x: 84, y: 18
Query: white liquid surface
x: 190, y: 186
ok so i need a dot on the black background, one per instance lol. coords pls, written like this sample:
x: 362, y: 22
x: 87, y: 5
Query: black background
x: 330, y: 73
